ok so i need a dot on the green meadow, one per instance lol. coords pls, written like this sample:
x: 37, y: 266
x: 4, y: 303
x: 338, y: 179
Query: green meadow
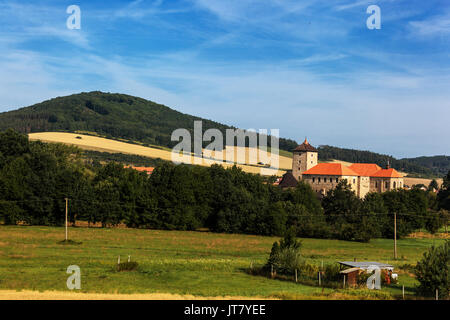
x: 196, y: 263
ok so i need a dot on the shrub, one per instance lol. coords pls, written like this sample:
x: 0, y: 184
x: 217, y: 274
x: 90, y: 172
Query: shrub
x: 432, y: 271
x: 127, y: 266
x: 285, y: 255
x: 287, y: 260
x: 308, y: 271
x: 362, y: 277
x: 331, y: 273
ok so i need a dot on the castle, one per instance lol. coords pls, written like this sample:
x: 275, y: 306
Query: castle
x: 362, y: 177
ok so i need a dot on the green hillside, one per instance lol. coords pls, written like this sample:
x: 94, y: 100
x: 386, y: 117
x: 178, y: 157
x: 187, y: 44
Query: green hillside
x: 112, y: 115
x: 121, y: 116
x: 439, y: 164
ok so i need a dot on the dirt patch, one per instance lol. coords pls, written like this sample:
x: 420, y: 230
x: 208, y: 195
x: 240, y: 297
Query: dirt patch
x: 61, y: 295
x: 426, y: 235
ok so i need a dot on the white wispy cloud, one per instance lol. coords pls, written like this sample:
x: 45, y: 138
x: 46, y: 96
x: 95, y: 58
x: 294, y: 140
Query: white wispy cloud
x: 435, y: 26
x: 313, y: 105
x: 353, y: 4
x: 24, y: 22
x: 325, y: 86
x: 139, y: 9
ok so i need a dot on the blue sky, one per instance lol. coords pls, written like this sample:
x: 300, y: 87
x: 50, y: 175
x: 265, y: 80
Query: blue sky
x: 309, y: 68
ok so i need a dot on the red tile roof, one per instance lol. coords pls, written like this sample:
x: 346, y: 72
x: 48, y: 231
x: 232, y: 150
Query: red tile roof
x: 305, y: 146
x: 148, y: 170
x: 365, y: 169
x: 387, y: 173
x: 331, y: 169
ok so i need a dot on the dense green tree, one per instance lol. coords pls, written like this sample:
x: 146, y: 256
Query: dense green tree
x: 432, y: 271
x: 443, y: 196
x: 344, y: 211
x: 433, y: 185
x: 35, y: 179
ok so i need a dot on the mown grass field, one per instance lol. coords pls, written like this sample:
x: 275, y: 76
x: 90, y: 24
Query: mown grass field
x: 184, y: 263
x: 95, y: 143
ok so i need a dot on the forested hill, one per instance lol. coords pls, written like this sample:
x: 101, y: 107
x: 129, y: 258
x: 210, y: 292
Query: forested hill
x: 425, y: 166
x: 112, y: 115
x: 439, y: 164
x: 121, y: 116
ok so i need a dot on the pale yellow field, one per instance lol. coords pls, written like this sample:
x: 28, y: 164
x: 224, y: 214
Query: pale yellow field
x: 412, y: 181
x: 88, y: 142
x: 70, y: 295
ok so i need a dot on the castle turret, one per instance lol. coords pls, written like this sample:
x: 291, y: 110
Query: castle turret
x: 305, y: 157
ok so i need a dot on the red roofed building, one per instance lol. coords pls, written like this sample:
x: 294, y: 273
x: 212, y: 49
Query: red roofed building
x: 148, y: 170
x: 365, y: 169
x: 362, y: 177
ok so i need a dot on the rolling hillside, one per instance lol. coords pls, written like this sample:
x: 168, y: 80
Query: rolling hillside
x: 146, y: 123
x: 88, y: 142
x: 110, y: 115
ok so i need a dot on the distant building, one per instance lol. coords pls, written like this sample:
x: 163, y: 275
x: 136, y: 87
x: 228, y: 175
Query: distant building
x: 148, y: 170
x: 356, y: 268
x: 362, y: 177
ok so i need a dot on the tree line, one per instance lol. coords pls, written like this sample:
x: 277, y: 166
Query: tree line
x: 416, y: 166
x: 35, y: 178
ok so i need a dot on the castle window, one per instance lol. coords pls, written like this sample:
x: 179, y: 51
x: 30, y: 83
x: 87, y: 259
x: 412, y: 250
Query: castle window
x: 376, y: 184
x: 318, y: 179
x: 314, y: 179
x: 337, y: 179
x: 324, y: 179
x: 386, y: 184
x: 395, y: 185
x: 354, y: 180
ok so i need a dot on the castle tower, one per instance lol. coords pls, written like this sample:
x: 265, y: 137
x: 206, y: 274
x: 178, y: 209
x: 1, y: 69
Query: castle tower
x: 305, y: 157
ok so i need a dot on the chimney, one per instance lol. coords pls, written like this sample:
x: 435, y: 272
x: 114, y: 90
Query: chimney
x: 388, y: 165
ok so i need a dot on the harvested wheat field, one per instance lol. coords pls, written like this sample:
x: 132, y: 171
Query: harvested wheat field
x: 413, y: 181
x: 89, y: 142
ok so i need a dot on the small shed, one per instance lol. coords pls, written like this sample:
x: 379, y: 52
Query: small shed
x: 351, y: 275
x: 357, y: 267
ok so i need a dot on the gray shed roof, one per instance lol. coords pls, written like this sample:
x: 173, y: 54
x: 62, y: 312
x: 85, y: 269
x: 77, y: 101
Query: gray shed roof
x: 366, y: 264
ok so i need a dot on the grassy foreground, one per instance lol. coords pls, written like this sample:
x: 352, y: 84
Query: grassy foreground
x: 182, y: 263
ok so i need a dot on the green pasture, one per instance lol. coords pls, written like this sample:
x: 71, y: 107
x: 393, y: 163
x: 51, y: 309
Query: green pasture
x: 197, y: 263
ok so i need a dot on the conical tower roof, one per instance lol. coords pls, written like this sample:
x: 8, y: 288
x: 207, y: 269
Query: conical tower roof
x: 305, y: 147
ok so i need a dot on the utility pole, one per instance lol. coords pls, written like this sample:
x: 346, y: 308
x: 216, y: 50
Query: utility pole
x: 67, y: 202
x: 395, y: 235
